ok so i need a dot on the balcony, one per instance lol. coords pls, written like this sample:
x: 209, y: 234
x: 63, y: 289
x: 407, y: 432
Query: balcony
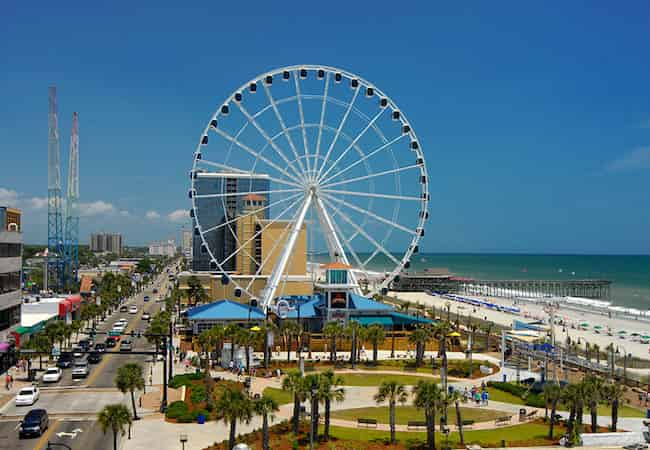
x: 10, y: 299
x: 13, y: 264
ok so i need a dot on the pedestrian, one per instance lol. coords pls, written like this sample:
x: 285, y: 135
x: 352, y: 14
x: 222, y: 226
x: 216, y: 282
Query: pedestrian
x: 7, y: 381
x: 231, y: 366
x: 150, y: 380
x: 484, y: 397
x: 11, y: 381
x: 477, y: 398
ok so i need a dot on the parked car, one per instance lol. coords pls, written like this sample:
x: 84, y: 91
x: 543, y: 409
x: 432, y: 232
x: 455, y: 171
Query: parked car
x: 80, y: 369
x: 126, y: 346
x: 65, y: 361
x: 100, y: 348
x: 133, y: 310
x: 124, y: 308
x: 120, y: 327
x: 146, y: 316
x: 27, y: 396
x: 52, y: 375
x: 94, y: 358
x: 34, y: 423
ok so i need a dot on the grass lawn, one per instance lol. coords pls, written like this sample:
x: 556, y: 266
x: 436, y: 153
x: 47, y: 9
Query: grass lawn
x: 405, y: 413
x: 375, y: 379
x: 526, y: 434
x: 279, y: 395
x: 503, y: 396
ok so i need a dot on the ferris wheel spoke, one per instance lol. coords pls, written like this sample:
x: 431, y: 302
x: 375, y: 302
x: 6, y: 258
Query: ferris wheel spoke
x: 322, y: 119
x: 365, y: 235
x: 370, y: 214
x: 372, y: 255
x: 272, y: 143
x: 362, y: 159
x: 237, y: 194
x: 252, y: 152
x: 258, y: 233
x: 234, y: 169
x: 270, y: 205
x: 373, y: 195
x: 354, y: 141
x: 287, y: 135
x: 348, y: 242
x: 302, y: 121
x: 373, y: 175
x: 338, y: 132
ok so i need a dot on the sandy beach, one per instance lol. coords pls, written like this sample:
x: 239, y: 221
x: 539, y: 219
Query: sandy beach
x: 534, y: 311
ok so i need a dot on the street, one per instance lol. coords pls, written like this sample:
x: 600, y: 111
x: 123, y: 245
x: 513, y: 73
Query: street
x: 73, y: 404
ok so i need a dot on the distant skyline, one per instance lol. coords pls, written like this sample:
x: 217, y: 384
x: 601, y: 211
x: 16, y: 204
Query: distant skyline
x: 534, y: 119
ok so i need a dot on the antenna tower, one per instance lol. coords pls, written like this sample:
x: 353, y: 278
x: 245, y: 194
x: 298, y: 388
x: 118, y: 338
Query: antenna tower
x: 72, y: 208
x: 54, y: 216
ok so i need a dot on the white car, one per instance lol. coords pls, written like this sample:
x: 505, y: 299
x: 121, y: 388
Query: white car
x: 52, y: 375
x: 146, y: 316
x: 80, y: 369
x: 119, y: 327
x: 27, y: 396
x: 133, y: 310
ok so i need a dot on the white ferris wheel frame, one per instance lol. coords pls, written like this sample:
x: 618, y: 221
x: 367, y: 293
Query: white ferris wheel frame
x: 314, y: 184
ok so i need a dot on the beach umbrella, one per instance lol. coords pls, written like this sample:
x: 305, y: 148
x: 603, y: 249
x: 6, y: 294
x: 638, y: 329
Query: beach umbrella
x: 454, y: 334
x: 256, y: 328
x: 598, y: 327
x: 622, y: 332
x: 645, y: 336
x: 584, y: 324
x: 634, y: 334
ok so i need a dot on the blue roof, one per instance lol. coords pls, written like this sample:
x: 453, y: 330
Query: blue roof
x: 369, y: 320
x: 365, y: 304
x: 307, y: 309
x: 225, y: 310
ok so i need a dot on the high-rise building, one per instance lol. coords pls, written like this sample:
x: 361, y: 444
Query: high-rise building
x: 187, y: 244
x: 163, y: 248
x: 212, y: 212
x: 106, y: 242
x: 11, y: 252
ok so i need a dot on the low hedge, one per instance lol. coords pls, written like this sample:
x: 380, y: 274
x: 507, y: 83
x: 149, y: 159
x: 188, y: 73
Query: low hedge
x: 177, y: 410
x: 530, y: 399
x: 185, y: 379
x: 198, y: 394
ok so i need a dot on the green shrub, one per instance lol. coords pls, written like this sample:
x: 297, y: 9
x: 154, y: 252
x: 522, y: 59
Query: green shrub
x: 516, y: 390
x: 186, y: 418
x: 198, y: 394
x: 184, y: 379
x: 535, y: 400
x: 177, y: 409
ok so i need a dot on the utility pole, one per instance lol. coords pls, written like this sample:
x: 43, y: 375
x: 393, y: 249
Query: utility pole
x: 163, y: 404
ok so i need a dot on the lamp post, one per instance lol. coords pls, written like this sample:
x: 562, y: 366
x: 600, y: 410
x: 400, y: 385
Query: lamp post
x: 183, y: 439
x: 314, y: 414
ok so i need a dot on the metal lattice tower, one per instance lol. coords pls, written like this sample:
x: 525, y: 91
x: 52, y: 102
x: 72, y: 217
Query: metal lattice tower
x: 54, y: 207
x: 72, y: 207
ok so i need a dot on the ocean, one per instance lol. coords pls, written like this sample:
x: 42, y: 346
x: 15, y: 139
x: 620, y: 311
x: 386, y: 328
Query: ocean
x: 630, y: 275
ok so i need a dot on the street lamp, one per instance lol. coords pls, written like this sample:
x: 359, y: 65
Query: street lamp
x: 314, y: 418
x: 183, y: 439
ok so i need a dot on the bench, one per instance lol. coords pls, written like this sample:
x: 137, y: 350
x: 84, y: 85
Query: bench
x: 531, y: 415
x: 415, y: 424
x: 468, y: 423
x: 502, y: 420
x: 368, y: 423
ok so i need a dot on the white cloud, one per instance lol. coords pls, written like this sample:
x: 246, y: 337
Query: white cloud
x: 38, y: 202
x: 639, y: 158
x: 180, y: 215
x: 124, y: 213
x: 152, y: 215
x: 8, y: 197
x: 96, y: 208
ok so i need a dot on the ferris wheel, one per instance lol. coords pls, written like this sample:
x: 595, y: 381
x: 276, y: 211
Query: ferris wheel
x: 313, y: 159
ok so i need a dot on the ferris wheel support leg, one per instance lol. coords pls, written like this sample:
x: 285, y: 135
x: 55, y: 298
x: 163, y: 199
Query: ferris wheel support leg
x: 278, y: 270
x: 333, y: 243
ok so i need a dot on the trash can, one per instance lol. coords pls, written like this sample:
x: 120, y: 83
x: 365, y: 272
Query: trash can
x: 200, y: 419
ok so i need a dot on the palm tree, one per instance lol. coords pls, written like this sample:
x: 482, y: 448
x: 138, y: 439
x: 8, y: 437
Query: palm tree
x: 572, y: 399
x: 248, y: 338
x: 588, y: 351
x: 268, y: 327
x: 129, y: 378
x: 41, y: 344
x: 235, y: 407
x: 114, y: 417
x: 593, y: 387
x: 488, y: 331
x: 353, y: 331
x: 375, y: 334
x: 441, y: 333
x: 455, y: 397
x: 333, y: 330
x: 265, y: 407
x: 552, y: 395
x: 206, y: 341
x: 394, y: 392
x: 289, y: 329
x: 329, y: 389
x: 294, y: 382
x: 419, y: 337
x: 596, y: 349
x: 614, y: 393
x: 428, y: 397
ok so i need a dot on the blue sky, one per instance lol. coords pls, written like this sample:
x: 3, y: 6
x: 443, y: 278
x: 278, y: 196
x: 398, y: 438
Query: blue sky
x: 535, y: 119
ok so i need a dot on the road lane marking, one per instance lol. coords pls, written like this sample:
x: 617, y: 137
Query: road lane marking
x: 45, y: 437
